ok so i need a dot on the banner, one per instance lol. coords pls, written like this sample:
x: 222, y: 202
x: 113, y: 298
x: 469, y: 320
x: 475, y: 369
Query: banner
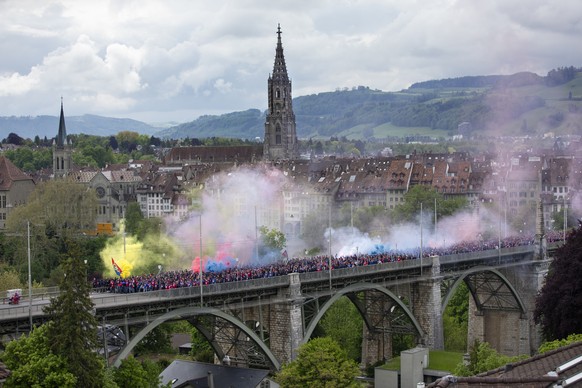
x: 116, y: 268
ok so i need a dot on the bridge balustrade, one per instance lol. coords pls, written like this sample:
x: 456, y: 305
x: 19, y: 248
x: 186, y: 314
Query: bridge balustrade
x: 209, y: 291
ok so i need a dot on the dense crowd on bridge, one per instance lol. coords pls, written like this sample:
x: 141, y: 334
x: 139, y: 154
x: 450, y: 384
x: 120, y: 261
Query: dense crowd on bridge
x: 189, y: 278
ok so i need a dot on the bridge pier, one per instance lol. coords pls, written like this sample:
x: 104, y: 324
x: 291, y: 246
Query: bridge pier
x: 286, y: 321
x: 376, y: 346
x: 510, y: 329
x: 426, y: 306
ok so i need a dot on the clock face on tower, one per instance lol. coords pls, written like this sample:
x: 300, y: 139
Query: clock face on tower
x: 100, y: 191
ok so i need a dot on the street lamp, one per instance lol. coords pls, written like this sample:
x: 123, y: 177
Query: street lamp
x: 29, y: 277
x: 329, y: 259
x: 200, y: 267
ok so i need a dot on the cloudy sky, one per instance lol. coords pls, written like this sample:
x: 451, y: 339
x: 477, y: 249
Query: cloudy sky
x: 174, y: 60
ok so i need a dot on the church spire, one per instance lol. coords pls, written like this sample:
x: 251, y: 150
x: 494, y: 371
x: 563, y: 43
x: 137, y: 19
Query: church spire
x: 62, y: 134
x: 279, y: 68
x: 62, y: 152
x: 280, y: 132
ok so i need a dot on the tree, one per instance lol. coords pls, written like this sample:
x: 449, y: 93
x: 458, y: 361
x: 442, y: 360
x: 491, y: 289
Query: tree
x: 320, y: 363
x: 13, y: 138
x: 272, y: 238
x: 73, y: 332
x: 201, y: 349
x: 456, y: 320
x: 158, y: 340
x: 547, y: 346
x: 483, y: 358
x: 9, y: 279
x: 33, y: 364
x: 133, y: 218
x: 426, y: 196
x: 132, y: 373
x: 63, y: 206
x: 343, y: 323
x: 559, y: 303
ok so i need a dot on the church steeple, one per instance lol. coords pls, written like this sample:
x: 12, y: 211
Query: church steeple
x: 280, y: 132
x: 279, y: 68
x: 62, y: 152
x: 61, y: 139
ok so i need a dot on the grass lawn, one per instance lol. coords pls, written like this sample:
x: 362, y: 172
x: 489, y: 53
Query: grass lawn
x: 438, y: 360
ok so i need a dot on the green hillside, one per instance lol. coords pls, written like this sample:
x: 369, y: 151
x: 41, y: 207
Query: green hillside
x: 518, y: 104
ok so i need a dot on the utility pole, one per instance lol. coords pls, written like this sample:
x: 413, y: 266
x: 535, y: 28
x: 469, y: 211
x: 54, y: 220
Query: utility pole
x: 200, y: 268
x: 421, y: 239
x: 29, y: 277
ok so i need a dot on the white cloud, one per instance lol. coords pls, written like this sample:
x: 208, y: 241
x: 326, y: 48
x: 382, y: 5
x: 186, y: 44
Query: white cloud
x: 129, y: 57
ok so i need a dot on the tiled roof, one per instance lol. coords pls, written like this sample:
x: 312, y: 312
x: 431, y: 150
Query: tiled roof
x: 216, y: 154
x: 540, y: 371
x: 9, y: 173
x: 4, y: 372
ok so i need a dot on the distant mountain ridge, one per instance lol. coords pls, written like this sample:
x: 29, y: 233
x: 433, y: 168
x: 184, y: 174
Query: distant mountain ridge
x: 31, y: 126
x: 522, y: 104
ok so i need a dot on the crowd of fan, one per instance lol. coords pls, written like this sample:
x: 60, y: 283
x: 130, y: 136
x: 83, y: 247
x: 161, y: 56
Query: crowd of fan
x: 189, y: 278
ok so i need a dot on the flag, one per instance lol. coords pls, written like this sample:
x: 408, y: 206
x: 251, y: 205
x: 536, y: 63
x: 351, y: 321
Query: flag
x: 116, y: 268
x: 284, y: 254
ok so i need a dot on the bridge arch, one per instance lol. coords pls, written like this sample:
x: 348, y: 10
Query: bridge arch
x: 188, y: 312
x: 519, y: 304
x: 354, y: 288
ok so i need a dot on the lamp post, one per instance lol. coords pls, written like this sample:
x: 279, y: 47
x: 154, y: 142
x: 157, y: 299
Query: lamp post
x: 329, y: 257
x: 421, y: 239
x: 200, y: 267
x: 565, y: 219
x: 29, y: 277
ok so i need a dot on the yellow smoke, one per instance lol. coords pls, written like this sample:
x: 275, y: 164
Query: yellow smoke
x: 126, y: 251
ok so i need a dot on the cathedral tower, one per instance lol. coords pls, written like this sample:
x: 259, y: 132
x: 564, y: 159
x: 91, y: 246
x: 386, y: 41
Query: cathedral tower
x: 280, y: 133
x: 61, y: 150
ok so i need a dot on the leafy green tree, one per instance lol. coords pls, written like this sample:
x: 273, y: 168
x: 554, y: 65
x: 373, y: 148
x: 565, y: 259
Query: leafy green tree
x: 131, y: 373
x: 33, y: 364
x: 128, y: 140
x: 456, y: 320
x: 343, y: 323
x: 73, y: 333
x: 158, y: 340
x: 29, y: 159
x: 9, y: 279
x: 320, y: 363
x: 272, y: 238
x: 149, y: 226
x: 63, y: 206
x: 133, y: 218
x: 419, y: 194
x: 201, y: 349
x: 547, y: 346
x: 483, y: 358
x: 559, y: 303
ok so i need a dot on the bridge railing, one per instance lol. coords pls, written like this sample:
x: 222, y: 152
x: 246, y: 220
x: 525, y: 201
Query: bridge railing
x: 386, y: 271
x: 111, y: 299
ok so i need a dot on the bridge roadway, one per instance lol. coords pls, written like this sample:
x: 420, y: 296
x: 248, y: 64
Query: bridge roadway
x: 141, y: 308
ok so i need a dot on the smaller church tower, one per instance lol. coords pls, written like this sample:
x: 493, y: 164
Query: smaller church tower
x: 280, y: 132
x: 61, y: 149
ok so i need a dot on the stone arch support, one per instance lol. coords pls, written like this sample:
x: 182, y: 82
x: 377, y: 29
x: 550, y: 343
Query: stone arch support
x: 352, y: 289
x: 490, y: 282
x: 188, y: 312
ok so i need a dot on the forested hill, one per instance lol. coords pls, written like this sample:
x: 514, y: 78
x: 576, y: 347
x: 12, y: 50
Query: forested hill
x: 47, y: 126
x: 519, y: 104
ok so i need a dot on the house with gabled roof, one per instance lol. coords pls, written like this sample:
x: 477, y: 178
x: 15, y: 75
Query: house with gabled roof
x: 15, y: 188
x: 561, y: 367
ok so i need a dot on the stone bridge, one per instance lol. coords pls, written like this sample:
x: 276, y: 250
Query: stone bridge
x: 262, y: 322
